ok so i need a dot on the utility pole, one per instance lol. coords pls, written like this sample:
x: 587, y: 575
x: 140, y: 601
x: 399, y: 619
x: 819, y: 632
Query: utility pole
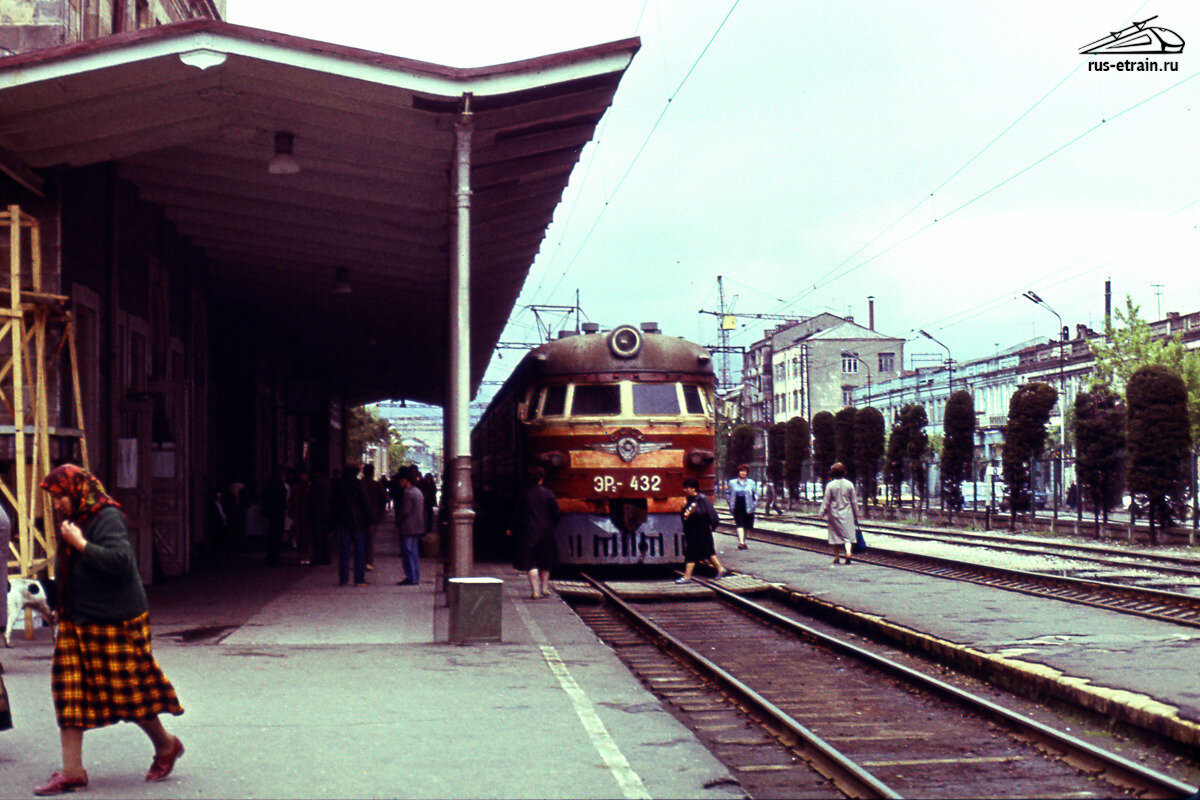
x: 726, y: 323
x: 724, y: 332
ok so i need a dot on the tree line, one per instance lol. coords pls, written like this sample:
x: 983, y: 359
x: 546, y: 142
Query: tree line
x: 1133, y: 428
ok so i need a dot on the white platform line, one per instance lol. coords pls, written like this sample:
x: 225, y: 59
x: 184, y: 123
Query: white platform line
x: 631, y: 785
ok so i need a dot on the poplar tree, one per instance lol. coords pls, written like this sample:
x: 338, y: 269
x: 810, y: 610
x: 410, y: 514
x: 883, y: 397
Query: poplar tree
x: 1099, y: 442
x: 823, y: 445
x: 1159, y: 439
x: 958, y: 447
x: 843, y: 422
x: 897, y: 449
x: 797, y: 449
x: 741, y: 449
x: 776, y: 444
x: 916, y: 442
x: 868, y: 449
x: 1025, y: 439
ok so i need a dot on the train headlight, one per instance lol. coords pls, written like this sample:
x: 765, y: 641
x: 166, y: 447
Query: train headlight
x: 625, y: 341
x: 698, y: 459
x: 552, y: 460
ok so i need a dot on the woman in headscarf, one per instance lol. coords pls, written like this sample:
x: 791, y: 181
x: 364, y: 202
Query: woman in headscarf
x: 103, y: 670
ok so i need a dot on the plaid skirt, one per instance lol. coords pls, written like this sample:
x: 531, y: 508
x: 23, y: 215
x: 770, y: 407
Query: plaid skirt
x: 105, y: 673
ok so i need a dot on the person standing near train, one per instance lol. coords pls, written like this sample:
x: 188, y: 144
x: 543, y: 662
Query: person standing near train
x: 534, y: 518
x: 410, y: 524
x: 839, y: 507
x: 742, y: 498
x: 103, y: 670
x: 699, y: 519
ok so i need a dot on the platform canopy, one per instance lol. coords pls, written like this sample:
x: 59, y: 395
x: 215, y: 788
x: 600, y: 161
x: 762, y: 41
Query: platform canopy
x: 192, y: 113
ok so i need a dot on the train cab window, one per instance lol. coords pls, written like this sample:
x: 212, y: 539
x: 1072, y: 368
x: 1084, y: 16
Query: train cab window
x: 691, y: 396
x: 595, y: 399
x: 554, y: 401
x: 655, y: 398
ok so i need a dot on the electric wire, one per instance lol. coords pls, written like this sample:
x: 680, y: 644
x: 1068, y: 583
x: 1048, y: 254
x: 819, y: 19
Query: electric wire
x: 844, y: 273
x: 935, y: 190
x: 645, y: 142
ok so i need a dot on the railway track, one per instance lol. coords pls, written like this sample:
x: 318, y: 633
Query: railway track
x: 1175, y: 607
x: 1183, y: 566
x: 796, y: 713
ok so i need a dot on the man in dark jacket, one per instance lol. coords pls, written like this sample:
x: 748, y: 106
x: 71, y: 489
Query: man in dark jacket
x: 410, y: 522
x: 351, y: 516
x: 534, y: 519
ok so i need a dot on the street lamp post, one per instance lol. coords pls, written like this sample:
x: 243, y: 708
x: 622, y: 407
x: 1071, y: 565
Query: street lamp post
x: 1032, y: 297
x: 949, y: 363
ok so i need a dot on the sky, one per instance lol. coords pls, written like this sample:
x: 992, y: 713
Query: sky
x: 941, y: 157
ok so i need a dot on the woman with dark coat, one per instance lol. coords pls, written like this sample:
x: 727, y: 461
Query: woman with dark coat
x: 699, y: 518
x: 103, y: 670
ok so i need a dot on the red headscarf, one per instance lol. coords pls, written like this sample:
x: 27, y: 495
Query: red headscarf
x: 82, y: 487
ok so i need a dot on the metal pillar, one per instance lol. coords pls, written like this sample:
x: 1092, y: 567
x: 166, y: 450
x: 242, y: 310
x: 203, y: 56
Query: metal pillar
x: 457, y: 477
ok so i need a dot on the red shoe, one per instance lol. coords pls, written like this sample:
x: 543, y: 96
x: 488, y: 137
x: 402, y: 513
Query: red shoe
x: 61, y: 784
x: 163, y: 765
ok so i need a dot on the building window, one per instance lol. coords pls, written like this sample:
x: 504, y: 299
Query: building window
x: 887, y: 362
x: 849, y: 365
x: 847, y: 395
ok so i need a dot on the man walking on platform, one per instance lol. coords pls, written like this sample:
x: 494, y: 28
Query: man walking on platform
x: 410, y: 522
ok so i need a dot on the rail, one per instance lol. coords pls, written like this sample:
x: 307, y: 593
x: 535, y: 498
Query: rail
x: 1157, y: 604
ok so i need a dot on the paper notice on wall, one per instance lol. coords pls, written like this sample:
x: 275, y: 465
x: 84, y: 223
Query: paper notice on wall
x: 127, y: 463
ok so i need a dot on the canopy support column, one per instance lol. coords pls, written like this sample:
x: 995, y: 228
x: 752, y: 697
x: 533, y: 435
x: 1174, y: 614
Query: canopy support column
x: 458, y: 390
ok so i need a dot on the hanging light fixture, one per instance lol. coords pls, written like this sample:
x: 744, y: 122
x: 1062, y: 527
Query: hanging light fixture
x: 283, y: 163
x: 341, y: 284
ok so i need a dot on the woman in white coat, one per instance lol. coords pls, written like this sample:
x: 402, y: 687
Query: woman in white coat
x: 840, y: 510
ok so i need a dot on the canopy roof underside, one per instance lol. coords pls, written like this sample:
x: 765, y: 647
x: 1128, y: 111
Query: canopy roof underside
x: 189, y: 113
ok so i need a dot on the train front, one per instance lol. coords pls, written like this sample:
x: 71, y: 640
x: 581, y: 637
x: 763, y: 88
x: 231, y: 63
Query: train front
x: 618, y: 420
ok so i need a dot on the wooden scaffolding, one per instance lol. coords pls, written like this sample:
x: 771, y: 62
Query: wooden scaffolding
x: 36, y: 332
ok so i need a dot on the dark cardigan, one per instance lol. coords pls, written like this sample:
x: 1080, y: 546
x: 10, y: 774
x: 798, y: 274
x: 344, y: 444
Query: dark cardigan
x: 102, y: 581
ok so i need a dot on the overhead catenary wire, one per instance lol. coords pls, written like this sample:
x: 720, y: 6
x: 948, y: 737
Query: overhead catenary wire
x: 645, y: 142
x: 850, y: 270
x: 819, y: 281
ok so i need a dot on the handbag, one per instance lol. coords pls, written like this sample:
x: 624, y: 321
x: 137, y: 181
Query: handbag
x: 859, y: 545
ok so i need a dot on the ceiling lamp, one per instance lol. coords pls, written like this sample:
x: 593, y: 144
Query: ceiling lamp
x: 284, y: 163
x: 342, y: 284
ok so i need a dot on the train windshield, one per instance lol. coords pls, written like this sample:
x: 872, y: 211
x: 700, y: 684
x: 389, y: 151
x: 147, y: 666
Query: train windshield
x: 555, y: 402
x: 655, y: 398
x: 596, y: 399
x: 691, y: 396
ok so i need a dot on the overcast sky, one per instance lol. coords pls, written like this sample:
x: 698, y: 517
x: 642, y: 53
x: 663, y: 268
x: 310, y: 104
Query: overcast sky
x: 943, y: 157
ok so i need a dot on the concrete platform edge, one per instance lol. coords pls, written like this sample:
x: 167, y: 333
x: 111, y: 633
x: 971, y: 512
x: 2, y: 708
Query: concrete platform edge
x: 1024, y: 677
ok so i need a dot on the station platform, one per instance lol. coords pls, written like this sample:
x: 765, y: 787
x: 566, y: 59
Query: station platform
x: 294, y: 687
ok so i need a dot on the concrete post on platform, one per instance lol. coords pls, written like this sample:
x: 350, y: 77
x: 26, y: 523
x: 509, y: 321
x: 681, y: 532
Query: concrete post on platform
x: 475, y: 609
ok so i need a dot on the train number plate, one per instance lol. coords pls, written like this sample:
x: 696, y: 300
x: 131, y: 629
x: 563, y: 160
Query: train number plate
x: 608, y: 484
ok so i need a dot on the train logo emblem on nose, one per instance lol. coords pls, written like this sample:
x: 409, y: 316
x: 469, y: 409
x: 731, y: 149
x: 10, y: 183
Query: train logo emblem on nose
x: 627, y: 448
